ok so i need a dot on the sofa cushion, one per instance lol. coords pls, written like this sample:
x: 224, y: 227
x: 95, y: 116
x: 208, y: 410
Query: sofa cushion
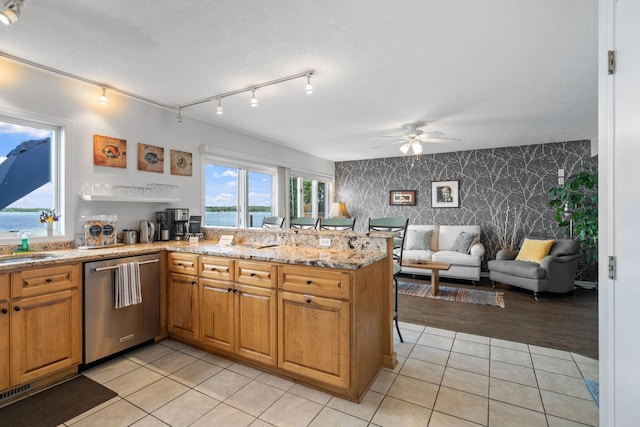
x: 418, y: 240
x: 456, y: 258
x: 447, y: 235
x: 534, y: 250
x: 464, y: 241
x: 415, y: 255
x: 563, y: 247
x: 526, y: 269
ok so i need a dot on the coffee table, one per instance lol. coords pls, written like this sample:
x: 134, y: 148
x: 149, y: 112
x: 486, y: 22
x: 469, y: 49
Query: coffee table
x: 435, y: 268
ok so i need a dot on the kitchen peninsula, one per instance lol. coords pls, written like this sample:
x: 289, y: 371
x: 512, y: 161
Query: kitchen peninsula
x: 275, y: 300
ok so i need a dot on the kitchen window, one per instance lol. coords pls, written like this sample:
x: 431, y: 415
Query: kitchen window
x: 30, y: 176
x: 308, y: 197
x: 238, y: 196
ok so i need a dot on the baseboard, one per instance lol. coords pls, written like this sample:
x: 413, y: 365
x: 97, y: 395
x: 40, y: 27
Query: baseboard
x: 586, y: 285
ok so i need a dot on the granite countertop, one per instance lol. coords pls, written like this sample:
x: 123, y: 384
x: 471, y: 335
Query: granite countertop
x: 350, y: 260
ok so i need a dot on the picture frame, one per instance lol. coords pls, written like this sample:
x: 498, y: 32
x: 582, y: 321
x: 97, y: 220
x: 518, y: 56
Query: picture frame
x: 109, y: 151
x: 445, y: 194
x: 181, y: 162
x: 150, y: 158
x: 402, y: 197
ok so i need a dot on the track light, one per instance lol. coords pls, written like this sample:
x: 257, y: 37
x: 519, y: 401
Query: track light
x: 103, y: 98
x: 254, y: 101
x: 11, y: 11
x: 179, y: 116
x: 308, y: 88
x: 219, y: 109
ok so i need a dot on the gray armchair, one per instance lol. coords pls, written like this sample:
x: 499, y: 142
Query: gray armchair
x: 555, y: 273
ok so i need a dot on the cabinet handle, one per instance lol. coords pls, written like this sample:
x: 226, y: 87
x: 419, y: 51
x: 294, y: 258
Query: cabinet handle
x: 180, y: 264
x: 213, y: 269
x: 16, y: 308
x: 235, y: 291
x: 230, y: 290
x: 309, y: 282
x: 5, y: 311
x: 193, y: 283
x: 309, y: 301
x: 252, y: 274
x: 49, y: 280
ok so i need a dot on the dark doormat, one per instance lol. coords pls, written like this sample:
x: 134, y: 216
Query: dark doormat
x: 56, y: 405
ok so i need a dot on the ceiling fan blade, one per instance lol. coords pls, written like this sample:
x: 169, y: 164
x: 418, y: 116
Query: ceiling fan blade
x: 440, y: 139
x: 389, y: 143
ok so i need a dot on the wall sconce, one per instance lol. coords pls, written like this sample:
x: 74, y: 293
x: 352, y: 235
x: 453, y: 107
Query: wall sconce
x: 339, y: 210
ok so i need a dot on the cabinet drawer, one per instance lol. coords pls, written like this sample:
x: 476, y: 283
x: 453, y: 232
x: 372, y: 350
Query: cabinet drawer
x: 38, y: 281
x: 256, y: 273
x: 216, y: 268
x: 4, y: 287
x: 316, y: 281
x: 183, y: 263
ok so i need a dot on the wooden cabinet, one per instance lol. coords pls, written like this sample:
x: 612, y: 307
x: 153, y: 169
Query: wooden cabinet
x: 179, y: 262
x: 41, y: 329
x: 5, y: 379
x: 314, y: 337
x: 183, y: 306
x: 237, y: 318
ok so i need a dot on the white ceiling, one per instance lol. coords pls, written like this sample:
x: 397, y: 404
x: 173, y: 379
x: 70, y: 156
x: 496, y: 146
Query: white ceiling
x: 493, y: 73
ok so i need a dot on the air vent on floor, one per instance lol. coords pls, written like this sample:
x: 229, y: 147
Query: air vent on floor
x: 10, y: 394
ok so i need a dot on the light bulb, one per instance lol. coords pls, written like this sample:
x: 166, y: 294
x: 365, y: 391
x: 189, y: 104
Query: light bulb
x: 219, y: 109
x: 308, y: 88
x: 8, y: 17
x: 254, y: 101
x: 405, y: 148
x: 103, y: 98
x: 417, y: 148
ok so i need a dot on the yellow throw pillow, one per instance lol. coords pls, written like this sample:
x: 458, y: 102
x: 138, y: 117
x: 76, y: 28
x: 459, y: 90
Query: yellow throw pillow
x: 534, y: 250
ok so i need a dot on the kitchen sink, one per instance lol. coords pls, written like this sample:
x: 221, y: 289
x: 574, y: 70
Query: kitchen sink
x: 26, y: 257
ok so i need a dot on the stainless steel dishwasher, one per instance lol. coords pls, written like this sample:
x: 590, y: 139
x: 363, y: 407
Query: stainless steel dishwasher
x: 108, y: 330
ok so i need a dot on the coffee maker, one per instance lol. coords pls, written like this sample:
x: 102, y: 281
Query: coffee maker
x: 162, y: 226
x: 178, y: 223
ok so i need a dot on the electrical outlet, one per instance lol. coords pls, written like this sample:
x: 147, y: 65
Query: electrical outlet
x: 324, y: 241
x: 560, y: 180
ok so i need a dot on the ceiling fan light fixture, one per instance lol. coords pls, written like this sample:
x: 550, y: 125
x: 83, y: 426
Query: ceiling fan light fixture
x: 417, y: 148
x: 405, y: 147
x: 11, y: 11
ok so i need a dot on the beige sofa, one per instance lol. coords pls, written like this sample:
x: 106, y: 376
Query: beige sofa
x: 465, y: 255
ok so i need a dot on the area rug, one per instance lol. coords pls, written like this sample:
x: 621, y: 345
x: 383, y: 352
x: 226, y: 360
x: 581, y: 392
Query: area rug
x: 472, y: 296
x: 594, y: 390
x: 57, y: 404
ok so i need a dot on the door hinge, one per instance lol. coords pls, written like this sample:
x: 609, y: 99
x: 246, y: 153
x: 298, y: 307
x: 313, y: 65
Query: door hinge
x: 611, y: 62
x: 612, y: 267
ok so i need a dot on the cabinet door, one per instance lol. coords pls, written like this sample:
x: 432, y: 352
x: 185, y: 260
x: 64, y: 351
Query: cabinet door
x: 256, y: 323
x: 183, y: 305
x: 217, y: 314
x: 314, y: 337
x: 4, y: 345
x: 45, y: 334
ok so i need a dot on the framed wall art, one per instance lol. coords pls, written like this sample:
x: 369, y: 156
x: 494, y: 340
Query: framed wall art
x: 445, y: 194
x: 150, y: 158
x: 402, y: 197
x: 109, y: 151
x: 181, y: 163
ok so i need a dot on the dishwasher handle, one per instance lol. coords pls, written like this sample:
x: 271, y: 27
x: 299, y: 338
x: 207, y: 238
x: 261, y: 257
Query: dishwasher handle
x: 113, y: 267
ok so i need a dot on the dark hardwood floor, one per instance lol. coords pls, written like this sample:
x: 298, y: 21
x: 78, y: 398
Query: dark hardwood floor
x: 560, y: 321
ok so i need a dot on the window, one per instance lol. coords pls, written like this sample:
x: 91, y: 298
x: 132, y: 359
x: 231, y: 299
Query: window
x: 308, y: 198
x: 237, y: 196
x: 29, y: 176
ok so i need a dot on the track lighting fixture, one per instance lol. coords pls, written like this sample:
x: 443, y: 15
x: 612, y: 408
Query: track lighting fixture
x: 219, y: 109
x: 179, y: 116
x: 308, y: 88
x: 103, y: 98
x: 254, y: 101
x: 11, y: 11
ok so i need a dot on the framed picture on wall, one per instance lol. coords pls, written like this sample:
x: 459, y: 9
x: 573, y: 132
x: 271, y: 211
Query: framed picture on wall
x: 109, y: 151
x: 150, y: 158
x: 181, y: 163
x: 402, y: 197
x: 445, y: 194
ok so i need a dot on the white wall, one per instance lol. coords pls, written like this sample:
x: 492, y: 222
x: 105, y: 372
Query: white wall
x: 40, y: 94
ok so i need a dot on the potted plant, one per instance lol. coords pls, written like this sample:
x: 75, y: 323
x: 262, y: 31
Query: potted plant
x: 576, y: 207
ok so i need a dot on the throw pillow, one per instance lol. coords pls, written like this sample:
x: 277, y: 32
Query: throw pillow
x: 418, y: 240
x: 534, y: 250
x: 464, y: 241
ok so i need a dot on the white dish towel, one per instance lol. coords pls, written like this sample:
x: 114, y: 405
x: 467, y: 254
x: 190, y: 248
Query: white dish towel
x: 127, y: 287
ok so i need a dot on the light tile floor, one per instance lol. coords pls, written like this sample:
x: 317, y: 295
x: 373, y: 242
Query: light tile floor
x: 443, y: 378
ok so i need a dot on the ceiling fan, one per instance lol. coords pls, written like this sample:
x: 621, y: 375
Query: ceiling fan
x: 413, y: 136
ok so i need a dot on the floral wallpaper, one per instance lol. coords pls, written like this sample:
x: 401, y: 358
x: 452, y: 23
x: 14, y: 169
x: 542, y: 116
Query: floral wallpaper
x: 499, y: 189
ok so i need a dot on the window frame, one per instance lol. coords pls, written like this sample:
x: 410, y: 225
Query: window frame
x: 60, y: 140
